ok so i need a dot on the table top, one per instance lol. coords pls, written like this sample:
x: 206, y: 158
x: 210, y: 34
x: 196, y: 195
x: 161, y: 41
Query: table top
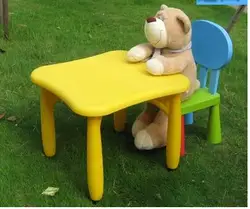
x: 105, y: 83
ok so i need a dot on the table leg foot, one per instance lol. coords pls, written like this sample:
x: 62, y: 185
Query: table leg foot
x: 94, y: 158
x: 94, y: 202
x: 48, y: 101
x: 171, y: 170
x: 174, y: 132
x: 119, y: 120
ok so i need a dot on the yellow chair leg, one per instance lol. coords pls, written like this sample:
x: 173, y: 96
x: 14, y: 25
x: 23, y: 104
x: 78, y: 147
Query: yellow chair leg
x: 174, y: 132
x: 94, y: 158
x: 47, y: 102
x: 119, y: 120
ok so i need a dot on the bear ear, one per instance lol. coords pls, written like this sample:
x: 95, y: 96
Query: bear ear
x: 163, y: 6
x: 184, y: 20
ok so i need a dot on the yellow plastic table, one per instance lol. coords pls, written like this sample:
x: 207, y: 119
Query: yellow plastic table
x: 101, y: 85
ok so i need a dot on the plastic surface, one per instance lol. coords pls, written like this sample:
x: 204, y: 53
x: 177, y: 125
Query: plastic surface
x: 221, y: 2
x: 211, y: 45
x: 47, y: 102
x: 201, y: 99
x: 101, y: 85
x: 105, y: 83
x: 95, y: 175
x: 214, y: 127
x: 189, y: 118
x: 212, y: 49
x: 183, y: 147
x: 174, y: 133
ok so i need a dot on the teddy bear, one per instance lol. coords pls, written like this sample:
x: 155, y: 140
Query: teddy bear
x: 167, y: 52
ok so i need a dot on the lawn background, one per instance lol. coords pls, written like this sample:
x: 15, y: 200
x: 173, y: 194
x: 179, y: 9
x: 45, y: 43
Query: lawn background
x: 50, y: 31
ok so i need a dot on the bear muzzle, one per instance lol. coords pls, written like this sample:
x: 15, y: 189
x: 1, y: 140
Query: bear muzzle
x: 155, y: 32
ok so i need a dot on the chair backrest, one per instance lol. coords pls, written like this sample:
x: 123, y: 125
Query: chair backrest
x: 212, y: 49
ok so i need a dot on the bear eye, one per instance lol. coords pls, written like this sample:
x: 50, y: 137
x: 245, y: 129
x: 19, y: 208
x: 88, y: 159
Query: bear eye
x: 161, y: 17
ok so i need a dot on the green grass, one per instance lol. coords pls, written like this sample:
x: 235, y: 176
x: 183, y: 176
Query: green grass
x: 51, y: 31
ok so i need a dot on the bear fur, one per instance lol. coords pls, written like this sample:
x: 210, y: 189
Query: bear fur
x: 167, y: 52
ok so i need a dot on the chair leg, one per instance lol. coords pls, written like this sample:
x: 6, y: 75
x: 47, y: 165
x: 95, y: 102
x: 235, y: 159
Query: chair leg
x: 182, y: 136
x: 214, y: 126
x: 48, y: 101
x: 119, y: 120
x: 94, y: 159
x: 189, y: 118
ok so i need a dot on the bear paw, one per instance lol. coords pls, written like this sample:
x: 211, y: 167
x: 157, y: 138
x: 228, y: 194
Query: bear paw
x: 198, y: 84
x: 138, y: 126
x: 143, y: 141
x: 155, y: 67
x: 136, y: 54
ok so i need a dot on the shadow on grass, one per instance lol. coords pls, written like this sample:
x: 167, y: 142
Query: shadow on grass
x: 71, y: 146
x: 196, y: 130
x: 118, y: 153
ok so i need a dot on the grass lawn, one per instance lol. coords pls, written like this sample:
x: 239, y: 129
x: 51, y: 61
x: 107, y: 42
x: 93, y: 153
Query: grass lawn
x: 50, y: 31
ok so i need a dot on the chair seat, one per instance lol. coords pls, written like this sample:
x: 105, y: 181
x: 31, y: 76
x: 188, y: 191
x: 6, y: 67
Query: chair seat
x: 201, y: 99
x: 105, y: 83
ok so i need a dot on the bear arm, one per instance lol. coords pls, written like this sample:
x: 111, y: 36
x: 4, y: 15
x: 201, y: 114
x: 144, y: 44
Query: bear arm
x: 140, y: 52
x: 172, y: 65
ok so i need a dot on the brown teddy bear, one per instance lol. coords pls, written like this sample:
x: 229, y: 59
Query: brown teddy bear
x: 168, y: 52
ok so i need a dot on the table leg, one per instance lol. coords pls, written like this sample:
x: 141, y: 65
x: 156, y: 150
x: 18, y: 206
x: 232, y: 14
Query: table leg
x: 183, y: 137
x: 47, y: 103
x: 174, y: 132
x: 119, y: 120
x: 94, y: 158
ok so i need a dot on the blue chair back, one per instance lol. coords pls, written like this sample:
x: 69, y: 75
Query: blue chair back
x: 212, y: 49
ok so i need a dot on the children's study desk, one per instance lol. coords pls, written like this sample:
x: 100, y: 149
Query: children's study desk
x: 101, y: 85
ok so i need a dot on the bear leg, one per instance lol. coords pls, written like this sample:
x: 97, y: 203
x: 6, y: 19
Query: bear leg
x: 145, y: 118
x: 154, y: 135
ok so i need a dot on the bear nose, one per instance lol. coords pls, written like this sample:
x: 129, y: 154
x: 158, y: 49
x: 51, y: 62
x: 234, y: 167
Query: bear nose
x: 151, y: 19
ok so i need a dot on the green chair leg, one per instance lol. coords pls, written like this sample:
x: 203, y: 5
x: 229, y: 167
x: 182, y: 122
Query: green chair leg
x: 214, y: 127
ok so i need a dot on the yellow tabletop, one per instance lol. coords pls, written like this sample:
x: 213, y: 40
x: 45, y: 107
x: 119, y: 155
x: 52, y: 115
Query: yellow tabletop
x: 105, y: 83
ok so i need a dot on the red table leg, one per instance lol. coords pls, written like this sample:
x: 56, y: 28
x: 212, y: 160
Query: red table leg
x: 182, y: 136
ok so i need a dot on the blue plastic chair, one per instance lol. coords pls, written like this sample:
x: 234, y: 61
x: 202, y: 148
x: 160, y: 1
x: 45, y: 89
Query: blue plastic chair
x: 212, y: 49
